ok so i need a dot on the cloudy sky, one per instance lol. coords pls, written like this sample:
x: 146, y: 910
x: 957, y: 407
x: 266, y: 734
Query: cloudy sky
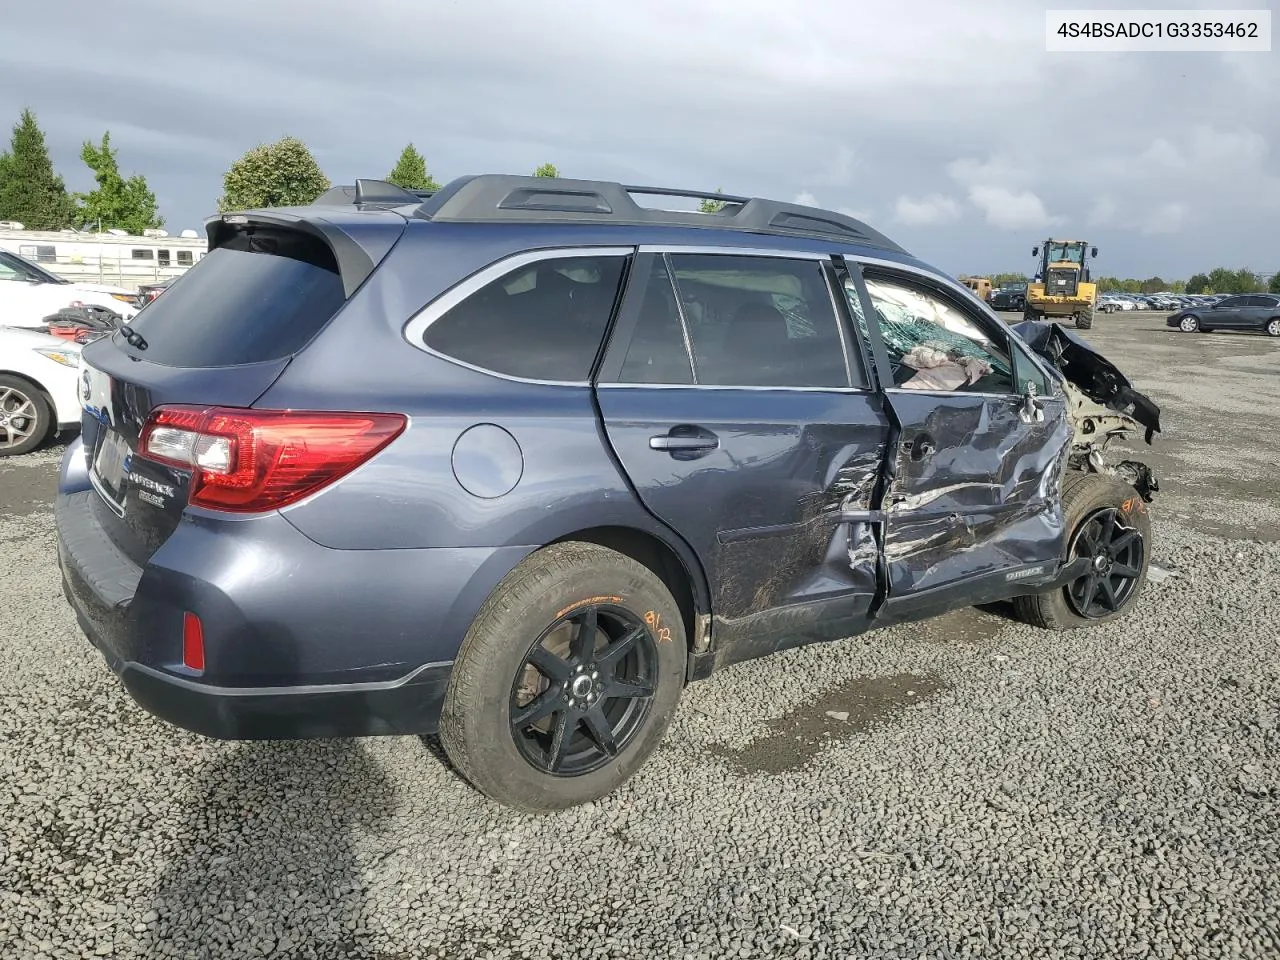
x: 946, y: 125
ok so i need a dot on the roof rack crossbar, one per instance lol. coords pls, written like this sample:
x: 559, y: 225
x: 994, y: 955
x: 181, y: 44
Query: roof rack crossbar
x: 691, y: 194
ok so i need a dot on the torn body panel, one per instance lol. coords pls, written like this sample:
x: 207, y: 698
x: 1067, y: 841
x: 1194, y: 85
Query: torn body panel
x: 975, y: 492
x: 1102, y: 404
x: 761, y: 499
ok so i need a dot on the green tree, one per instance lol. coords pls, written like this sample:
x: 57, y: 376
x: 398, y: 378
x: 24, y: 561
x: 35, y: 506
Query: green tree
x: 116, y: 203
x: 1226, y: 280
x: 1000, y: 279
x: 1274, y: 285
x: 1199, y: 283
x: 712, y: 206
x: 547, y: 170
x: 411, y: 171
x: 1152, y: 285
x: 30, y: 191
x: 1248, y: 282
x: 280, y: 174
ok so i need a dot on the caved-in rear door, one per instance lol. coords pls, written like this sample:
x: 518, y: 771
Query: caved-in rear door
x: 756, y: 450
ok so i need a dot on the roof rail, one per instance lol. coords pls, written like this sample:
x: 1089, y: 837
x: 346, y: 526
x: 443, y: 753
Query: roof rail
x: 497, y: 198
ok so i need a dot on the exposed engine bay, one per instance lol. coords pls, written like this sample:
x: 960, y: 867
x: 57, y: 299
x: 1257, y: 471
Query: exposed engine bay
x: 1101, y: 403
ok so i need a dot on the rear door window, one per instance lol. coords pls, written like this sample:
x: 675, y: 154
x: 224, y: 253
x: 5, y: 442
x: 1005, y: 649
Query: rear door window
x: 540, y: 321
x: 260, y: 297
x: 759, y: 321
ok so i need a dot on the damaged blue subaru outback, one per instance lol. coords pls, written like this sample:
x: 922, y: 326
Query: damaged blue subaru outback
x: 515, y: 461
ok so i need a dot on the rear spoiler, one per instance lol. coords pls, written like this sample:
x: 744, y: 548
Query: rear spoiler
x: 356, y: 250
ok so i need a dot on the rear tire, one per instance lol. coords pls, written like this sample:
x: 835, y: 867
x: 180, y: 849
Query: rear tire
x: 1084, y: 321
x: 526, y: 655
x: 1273, y: 327
x: 1096, y: 505
x: 25, y: 416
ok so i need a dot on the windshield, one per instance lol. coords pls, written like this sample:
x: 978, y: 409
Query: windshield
x: 14, y: 267
x: 1066, y: 251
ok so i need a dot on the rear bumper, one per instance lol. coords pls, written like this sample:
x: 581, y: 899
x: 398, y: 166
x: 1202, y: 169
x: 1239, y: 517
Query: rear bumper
x: 300, y: 640
x: 408, y: 705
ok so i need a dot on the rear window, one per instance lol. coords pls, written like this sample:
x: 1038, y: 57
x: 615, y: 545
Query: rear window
x: 260, y: 297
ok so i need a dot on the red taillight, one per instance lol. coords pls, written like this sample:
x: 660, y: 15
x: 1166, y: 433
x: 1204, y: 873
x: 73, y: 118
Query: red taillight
x: 247, y: 461
x: 192, y: 641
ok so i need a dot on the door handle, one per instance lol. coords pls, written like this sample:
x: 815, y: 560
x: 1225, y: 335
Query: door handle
x: 685, y: 442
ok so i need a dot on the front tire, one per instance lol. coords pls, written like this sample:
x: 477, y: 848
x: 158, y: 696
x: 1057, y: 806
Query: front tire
x: 1189, y: 324
x: 1109, y: 525
x: 566, y: 681
x: 25, y: 417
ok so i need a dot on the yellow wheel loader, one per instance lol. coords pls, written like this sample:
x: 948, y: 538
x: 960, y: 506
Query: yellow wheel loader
x: 1063, y: 288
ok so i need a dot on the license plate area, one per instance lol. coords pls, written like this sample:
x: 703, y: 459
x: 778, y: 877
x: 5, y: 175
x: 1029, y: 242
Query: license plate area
x: 109, y: 466
x: 109, y: 469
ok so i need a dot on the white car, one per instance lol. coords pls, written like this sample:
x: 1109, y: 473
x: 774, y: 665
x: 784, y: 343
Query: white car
x: 39, y: 395
x: 29, y: 293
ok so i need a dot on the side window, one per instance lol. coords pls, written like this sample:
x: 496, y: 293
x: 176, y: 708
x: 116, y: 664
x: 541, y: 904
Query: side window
x: 859, y: 318
x: 542, y: 321
x: 933, y: 345
x: 1025, y: 371
x: 759, y: 321
x: 657, y: 352
x: 14, y: 270
x: 1231, y: 302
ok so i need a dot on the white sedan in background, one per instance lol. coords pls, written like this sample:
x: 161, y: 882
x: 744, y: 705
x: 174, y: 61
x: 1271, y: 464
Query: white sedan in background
x: 39, y: 380
x: 29, y: 293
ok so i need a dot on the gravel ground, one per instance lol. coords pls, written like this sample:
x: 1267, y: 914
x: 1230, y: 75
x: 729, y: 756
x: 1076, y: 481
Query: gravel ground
x: 965, y: 787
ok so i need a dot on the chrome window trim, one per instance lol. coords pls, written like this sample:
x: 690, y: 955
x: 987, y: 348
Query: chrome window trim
x: 415, y: 327
x: 755, y: 388
x: 771, y: 253
x: 1012, y: 397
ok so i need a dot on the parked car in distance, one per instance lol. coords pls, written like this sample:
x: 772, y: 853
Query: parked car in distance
x: 38, y: 399
x: 29, y: 293
x: 1010, y: 297
x: 149, y: 291
x: 517, y: 462
x: 1254, y: 311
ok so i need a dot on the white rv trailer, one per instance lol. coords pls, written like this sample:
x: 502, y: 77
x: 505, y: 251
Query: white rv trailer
x: 109, y: 256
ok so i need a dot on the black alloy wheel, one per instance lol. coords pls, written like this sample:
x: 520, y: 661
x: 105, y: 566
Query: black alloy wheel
x: 1115, y: 552
x: 584, y: 690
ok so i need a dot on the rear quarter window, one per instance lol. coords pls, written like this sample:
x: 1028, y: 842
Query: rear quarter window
x: 540, y: 321
x: 258, y: 298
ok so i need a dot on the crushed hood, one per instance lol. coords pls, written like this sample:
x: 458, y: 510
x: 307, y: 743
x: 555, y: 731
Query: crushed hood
x: 1095, y: 376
